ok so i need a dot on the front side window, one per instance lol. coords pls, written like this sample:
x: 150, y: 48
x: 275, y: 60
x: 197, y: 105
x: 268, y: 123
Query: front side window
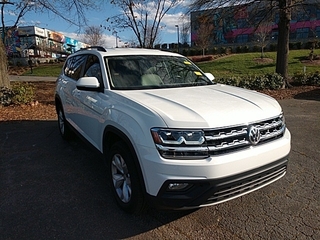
x: 93, y: 69
x: 153, y: 71
x: 74, y: 66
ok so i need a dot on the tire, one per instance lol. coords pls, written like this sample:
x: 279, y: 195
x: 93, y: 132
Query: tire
x: 124, y: 179
x: 64, y: 128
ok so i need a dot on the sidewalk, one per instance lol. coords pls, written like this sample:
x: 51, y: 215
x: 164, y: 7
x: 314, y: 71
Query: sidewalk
x: 31, y: 78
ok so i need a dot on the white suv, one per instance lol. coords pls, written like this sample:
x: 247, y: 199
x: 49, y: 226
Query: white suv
x: 169, y: 135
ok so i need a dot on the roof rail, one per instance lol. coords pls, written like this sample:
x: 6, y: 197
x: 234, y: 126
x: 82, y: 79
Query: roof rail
x: 99, y: 48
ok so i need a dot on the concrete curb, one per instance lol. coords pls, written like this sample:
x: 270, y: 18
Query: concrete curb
x: 14, y: 78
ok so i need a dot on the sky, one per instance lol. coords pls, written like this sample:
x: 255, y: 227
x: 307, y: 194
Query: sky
x: 168, y: 33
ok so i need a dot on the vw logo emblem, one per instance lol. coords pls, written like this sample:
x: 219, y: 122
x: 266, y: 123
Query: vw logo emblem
x: 254, y: 135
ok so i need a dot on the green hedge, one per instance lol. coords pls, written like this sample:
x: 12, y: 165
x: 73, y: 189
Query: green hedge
x: 21, y: 93
x: 267, y: 81
x: 312, y: 79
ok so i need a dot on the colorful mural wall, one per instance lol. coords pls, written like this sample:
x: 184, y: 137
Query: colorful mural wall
x: 239, y: 27
x: 41, y: 41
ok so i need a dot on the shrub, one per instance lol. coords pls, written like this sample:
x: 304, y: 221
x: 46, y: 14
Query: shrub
x: 246, y: 49
x: 273, y: 47
x: 214, y: 50
x: 192, y: 52
x: 233, y: 81
x: 267, y: 81
x: 314, y: 79
x: 274, y: 81
x: 245, y: 82
x: 299, y: 45
x: 225, y: 50
x: 307, y: 79
x: 258, y: 83
x: 184, y: 52
x: 23, y: 93
x: 6, y: 96
x: 299, y: 79
x: 256, y: 48
x: 239, y: 49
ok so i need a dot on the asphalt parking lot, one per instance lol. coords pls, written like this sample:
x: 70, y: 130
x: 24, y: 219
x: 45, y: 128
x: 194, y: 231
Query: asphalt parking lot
x: 52, y: 189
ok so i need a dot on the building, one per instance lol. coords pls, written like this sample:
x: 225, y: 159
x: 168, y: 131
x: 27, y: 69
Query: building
x: 238, y: 24
x: 32, y: 41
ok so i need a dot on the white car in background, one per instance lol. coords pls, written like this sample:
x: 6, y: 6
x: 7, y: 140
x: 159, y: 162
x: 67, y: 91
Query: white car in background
x: 170, y: 136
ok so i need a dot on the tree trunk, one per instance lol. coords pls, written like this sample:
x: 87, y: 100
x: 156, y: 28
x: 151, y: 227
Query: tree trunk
x: 283, y: 40
x: 4, y: 78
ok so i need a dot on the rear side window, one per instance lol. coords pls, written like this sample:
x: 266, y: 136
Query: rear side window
x: 74, y: 66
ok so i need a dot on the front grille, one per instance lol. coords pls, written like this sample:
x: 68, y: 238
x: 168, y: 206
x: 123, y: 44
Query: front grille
x: 241, y: 187
x: 230, y: 139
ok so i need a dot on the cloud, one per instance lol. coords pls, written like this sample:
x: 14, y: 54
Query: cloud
x: 171, y: 20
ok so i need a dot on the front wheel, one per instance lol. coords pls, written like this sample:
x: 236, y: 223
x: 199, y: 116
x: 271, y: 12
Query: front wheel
x: 124, y: 179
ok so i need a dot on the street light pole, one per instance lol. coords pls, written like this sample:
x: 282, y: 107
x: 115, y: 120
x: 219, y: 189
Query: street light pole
x: 116, y: 33
x: 177, y: 26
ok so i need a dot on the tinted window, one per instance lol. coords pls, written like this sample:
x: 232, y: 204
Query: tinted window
x: 74, y: 66
x: 93, y: 68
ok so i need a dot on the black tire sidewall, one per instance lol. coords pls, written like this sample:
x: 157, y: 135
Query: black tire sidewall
x: 67, y: 133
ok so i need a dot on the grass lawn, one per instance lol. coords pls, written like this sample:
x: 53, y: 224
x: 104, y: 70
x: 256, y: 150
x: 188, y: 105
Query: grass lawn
x: 227, y: 66
x: 251, y: 64
x: 45, y: 70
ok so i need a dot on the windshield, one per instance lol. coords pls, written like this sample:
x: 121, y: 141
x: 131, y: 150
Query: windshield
x: 153, y: 71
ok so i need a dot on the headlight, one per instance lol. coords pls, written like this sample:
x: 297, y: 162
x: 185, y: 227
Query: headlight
x: 180, y: 144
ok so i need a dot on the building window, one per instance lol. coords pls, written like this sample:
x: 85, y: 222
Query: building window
x: 243, y: 38
x: 302, y: 33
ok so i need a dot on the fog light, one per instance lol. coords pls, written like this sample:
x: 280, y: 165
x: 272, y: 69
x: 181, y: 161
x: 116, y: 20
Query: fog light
x: 177, y: 186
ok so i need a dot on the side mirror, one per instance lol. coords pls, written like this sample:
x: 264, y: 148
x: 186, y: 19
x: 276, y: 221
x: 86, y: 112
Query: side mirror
x: 210, y: 76
x: 88, y: 84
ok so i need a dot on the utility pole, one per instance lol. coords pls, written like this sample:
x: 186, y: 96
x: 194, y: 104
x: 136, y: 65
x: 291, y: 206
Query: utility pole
x: 177, y: 26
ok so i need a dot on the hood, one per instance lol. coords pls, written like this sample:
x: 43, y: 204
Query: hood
x: 206, y: 106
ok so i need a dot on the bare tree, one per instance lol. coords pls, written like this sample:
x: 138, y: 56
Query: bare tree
x: 93, y: 35
x: 204, y: 33
x: 185, y: 32
x: 265, y: 8
x: 263, y: 35
x: 72, y: 11
x: 143, y: 17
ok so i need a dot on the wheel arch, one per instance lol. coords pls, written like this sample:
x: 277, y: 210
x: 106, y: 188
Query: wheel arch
x: 112, y: 135
x: 58, y: 102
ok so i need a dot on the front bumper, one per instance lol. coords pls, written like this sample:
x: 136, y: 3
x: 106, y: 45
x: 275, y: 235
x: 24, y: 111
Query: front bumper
x: 210, y: 192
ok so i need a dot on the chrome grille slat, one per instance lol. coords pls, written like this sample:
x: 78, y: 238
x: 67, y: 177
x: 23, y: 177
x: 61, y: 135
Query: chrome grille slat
x: 221, y: 141
x: 223, y: 135
x: 272, y: 134
x: 228, y: 145
x: 267, y: 126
